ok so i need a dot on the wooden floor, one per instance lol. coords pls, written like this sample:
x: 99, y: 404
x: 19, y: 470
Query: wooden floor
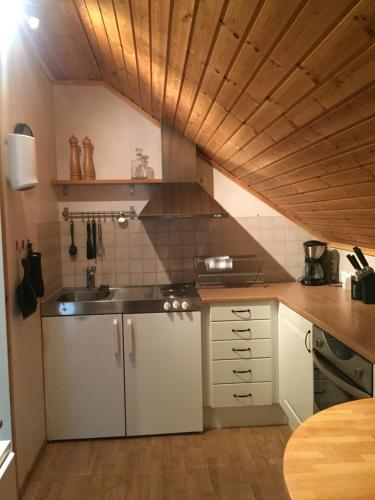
x: 235, y: 464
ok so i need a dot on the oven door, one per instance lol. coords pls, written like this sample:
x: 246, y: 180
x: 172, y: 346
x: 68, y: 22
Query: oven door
x: 331, y: 387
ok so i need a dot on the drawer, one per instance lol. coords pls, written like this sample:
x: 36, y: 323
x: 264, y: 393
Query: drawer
x: 229, y: 349
x: 241, y: 370
x: 255, y: 394
x: 240, y: 312
x: 243, y: 330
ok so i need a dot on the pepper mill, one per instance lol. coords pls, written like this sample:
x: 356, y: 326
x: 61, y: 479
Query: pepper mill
x: 75, y: 154
x: 88, y: 160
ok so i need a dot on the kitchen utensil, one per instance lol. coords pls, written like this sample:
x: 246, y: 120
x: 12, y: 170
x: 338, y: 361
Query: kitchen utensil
x: 94, y: 235
x: 89, y: 249
x: 353, y: 262
x: 361, y: 257
x: 100, y: 250
x: 72, y: 248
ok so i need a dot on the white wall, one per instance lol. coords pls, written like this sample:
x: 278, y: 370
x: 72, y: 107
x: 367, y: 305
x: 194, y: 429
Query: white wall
x: 114, y: 127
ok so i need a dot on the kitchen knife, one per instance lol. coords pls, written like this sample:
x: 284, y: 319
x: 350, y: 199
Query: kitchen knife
x: 360, y: 256
x: 353, y: 262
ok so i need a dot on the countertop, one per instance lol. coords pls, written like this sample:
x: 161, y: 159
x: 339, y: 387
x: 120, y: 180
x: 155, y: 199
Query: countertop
x: 331, y: 308
x: 332, y: 454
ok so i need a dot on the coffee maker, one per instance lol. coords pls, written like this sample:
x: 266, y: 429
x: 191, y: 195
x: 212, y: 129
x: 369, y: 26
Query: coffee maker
x: 315, y: 263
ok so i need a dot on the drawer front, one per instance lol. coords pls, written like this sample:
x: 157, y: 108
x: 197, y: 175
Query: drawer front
x: 238, y: 370
x: 242, y: 330
x: 255, y: 394
x: 240, y: 312
x: 241, y: 349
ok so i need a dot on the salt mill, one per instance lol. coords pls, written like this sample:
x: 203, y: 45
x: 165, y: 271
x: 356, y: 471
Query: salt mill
x: 88, y: 160
x: 75, y: 154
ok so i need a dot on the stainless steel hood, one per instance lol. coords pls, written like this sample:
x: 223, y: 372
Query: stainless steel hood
x: 181, y: 200
x: 180, y: 196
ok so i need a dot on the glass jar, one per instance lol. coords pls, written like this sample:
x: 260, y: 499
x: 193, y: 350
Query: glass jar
x: 139, y: 171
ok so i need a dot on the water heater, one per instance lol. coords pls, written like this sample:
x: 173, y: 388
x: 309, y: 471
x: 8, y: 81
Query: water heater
x: 21, y: 158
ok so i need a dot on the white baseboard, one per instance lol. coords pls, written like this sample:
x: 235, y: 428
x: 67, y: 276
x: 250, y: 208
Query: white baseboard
x: 243, y: 417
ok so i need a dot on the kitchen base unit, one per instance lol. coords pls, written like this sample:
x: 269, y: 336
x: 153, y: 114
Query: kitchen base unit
x: 296, y: 379
x: 163, y: 373
x: 240, y: 365
x: 84, y: 376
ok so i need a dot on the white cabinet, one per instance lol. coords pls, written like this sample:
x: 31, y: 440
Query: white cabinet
x: 84, y: 376
x: 296, y: 379
x: 239, y: 355
x: 163, y: 373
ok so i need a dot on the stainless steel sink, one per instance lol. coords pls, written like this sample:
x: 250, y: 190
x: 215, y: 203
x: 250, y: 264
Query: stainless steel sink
x: 84, y: 295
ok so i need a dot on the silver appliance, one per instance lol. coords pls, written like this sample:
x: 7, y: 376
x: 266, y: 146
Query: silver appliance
x: 340, y: 374
x: 315, y: 263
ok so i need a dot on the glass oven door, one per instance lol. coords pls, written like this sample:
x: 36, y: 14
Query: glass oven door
x: 332, y: 387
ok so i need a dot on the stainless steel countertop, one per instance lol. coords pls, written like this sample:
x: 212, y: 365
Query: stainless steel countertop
x: 122, y: 300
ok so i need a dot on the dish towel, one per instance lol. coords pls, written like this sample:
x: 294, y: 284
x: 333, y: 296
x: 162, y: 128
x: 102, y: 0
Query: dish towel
x: 35, y: 272
x: 25, y: 295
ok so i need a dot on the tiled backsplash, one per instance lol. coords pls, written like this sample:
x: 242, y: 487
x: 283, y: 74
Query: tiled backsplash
x: 49, y: 245
x: 160, y: 251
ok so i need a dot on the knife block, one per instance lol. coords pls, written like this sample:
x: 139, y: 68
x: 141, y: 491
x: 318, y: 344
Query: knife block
x: 368, y: 289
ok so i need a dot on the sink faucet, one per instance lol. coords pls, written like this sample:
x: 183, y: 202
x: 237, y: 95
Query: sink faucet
x: 90, y: 277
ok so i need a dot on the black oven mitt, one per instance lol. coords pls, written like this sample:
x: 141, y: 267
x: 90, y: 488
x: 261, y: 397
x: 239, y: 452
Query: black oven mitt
x: 35, y: 271
x: 25, y: 295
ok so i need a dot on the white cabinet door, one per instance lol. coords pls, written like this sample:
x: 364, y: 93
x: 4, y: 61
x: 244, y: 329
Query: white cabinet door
x: 84, y: 376
x: 163, y: 373
x: 296, y: 384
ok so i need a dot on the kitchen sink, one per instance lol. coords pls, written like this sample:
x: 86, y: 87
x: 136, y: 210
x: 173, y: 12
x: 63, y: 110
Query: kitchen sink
x: 85, y: 295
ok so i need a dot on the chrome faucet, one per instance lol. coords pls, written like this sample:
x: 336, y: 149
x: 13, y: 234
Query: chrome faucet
x: 90, y: 276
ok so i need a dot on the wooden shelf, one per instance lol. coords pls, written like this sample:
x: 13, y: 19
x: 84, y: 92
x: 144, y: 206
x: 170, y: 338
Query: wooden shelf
x: 103, y: 182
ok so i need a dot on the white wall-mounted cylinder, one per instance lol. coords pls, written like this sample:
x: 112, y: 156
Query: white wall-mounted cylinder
x: 21, y: 161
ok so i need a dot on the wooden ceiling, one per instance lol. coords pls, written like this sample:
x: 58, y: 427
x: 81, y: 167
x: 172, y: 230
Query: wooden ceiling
x: 278, y: 93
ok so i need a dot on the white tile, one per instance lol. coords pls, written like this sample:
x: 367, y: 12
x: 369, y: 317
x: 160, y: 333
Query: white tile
x: 279, y: 234
x: 162, y: 278
x: 175, y: 238
x: 123, y: 279
x: 279, y: 248
x: 149, y: 266
x: 266, y: 222
x: 293, y: 247
x: 136, y: 266
x: 136, y: 278
x: 149, y: 279
x: 162, y: 238
x: 266, y: 235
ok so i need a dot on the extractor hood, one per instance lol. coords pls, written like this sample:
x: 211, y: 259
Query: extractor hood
x: 181, y: 200
x: 180, y: 196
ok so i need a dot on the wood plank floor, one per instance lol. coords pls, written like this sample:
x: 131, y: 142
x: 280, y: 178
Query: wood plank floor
x: 235, y: 464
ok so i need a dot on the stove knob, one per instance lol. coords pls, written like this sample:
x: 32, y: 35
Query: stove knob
x: 185, y: 305
x: 176, y: 304
x: 166, y: 306
x: 319, y: 343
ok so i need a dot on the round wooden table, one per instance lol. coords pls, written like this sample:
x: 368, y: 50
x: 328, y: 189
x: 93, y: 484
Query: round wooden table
x: 332, y: 454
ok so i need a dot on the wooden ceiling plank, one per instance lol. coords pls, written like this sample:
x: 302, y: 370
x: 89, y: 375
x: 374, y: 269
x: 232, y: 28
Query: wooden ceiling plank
x: 343, y: 160
x: 311, y: 27
x: 184, y: 15
x: 228, y: 42
x: 95, y: 40
x: 126, y: 36
x: 205, y: 35
x: 357, y: 135
x: 331, y: 123
x: 139, y: 16
x: 160, y: 12
x: 269, y: 26
x: 111, y: 30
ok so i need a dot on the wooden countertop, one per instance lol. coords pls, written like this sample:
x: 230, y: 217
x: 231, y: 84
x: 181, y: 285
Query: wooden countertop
x: 332, y: 454
x: 330, y: 308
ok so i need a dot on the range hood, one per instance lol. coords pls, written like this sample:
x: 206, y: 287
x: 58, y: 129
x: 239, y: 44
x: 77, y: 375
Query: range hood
x: 180, y: 196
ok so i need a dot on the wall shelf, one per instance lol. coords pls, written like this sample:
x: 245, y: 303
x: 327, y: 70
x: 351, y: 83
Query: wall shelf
x: 103, y: 182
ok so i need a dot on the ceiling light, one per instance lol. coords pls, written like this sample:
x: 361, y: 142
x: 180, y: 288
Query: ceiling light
x: 33, y: 22
x: 11, y: 13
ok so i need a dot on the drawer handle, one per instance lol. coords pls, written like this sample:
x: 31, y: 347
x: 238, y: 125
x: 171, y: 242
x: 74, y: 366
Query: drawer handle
x: 235, y: 311
x: 241, y: 331
x: 242, y: 395
x: 241, y: 371
x: 241, y: 350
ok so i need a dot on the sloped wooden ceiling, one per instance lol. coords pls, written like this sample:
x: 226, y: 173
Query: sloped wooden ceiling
x: 279, y: 93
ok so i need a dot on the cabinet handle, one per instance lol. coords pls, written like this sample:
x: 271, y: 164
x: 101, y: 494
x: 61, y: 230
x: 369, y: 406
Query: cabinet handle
x: 241, y: 350
x: 241, y: 371
x: 242, y: 395
x: 129, y: 337
x: 235, y: 311
x: 306, y: 336
x: 241, y: 331
x: 117, y: 338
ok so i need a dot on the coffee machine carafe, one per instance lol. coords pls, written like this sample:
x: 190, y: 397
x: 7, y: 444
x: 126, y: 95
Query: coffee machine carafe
x: 315, y: 263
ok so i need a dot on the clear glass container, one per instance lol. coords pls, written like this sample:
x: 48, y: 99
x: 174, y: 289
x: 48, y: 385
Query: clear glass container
x: 138, y: 168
